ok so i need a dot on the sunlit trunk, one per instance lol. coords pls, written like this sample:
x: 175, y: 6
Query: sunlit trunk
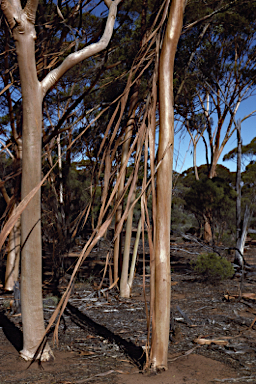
x: 125, y: 282
x: 241, y: 241
x: 161, y: 315
x: 194, y: 162
x: 31, y: 254
x: 239, y: 234
x: 125, y: 151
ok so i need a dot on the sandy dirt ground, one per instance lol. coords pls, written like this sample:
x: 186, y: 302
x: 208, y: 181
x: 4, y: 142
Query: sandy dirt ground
x: 101, y: 336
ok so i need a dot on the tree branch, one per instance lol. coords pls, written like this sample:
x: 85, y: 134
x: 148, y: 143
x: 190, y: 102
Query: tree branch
x: 30, y: 10
x: 77, y: 57
x: 12, y: 11
x: 108, y: 3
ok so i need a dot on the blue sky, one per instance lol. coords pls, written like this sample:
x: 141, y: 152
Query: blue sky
x: 183, y: 155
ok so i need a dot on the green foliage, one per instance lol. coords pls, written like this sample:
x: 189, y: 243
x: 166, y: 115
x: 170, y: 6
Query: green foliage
x: 213, y: 266
x: 213, y: 199
x: 248, y: 151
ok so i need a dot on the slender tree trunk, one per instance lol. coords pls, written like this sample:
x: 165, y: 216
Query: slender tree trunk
x: 125, y: 151
x: 238, y: 255
x: 161, y: 315
x: 125, y: 282
x: 241, y: 241
x: 31, y: 258
x: 194, y: 161
x: 207, y: 230
x: 134, y: 255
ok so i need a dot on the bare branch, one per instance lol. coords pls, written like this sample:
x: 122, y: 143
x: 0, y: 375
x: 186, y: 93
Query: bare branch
x: 77, y: 57
x: 108, y: 3
x: 30, y: 10
x: 247, y: 116
x: 12, y: 11
x: 221, y: 9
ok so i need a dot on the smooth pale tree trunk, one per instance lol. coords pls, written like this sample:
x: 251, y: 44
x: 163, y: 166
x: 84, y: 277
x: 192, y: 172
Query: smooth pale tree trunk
x: 134, y: 255
x: 118, y: 215
x: 31, y: 260
x: 194, y: 162
x: 162, y: 294
x: 127, y: 276
x: 125, y: 281
x: 125, y: 151
x: 239, y: 234
x: 22, y: 23
x: 207, y: 225
x: 241, y: 241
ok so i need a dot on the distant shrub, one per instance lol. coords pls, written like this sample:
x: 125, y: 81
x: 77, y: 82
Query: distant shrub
x: 213, y: 266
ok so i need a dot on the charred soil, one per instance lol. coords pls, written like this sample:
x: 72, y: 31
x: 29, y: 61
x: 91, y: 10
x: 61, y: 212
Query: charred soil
x: 102, y: 337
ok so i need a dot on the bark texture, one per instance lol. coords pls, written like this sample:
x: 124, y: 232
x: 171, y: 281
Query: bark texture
x: 161, y: 315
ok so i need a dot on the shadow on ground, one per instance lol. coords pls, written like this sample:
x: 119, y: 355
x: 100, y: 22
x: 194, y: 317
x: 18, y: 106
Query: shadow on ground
x: 134, y: 352
x: 12, y: 333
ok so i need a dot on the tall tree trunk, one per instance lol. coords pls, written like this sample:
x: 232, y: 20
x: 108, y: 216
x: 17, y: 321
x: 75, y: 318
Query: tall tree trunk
x: 125, y: 282
x: 31, y: 258
x: 161, y: 315
x: 207, y: 230
x: 244, y: 230
x: 238, y: 255
x: 125, y: 151
x: 194, y: 162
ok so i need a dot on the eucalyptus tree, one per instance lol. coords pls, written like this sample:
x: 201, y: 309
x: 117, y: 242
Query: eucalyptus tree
x: 162, y: 274
x: 213, y: 199
x: 221, y: 74
x: 57, y: 35
x: 21, y: 21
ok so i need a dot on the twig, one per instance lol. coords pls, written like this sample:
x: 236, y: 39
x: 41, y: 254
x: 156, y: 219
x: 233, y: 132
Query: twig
x: 183, y: 250
x: 236, y: 380
x: 252, y: 324
x: 184, y: 315
x: 184, y: 354
x: 99, y: 375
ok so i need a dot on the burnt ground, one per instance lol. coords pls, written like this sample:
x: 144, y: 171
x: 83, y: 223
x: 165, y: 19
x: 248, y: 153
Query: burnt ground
x: 101, y: 335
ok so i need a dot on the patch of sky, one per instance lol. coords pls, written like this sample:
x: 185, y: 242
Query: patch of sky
x: 183, y: 148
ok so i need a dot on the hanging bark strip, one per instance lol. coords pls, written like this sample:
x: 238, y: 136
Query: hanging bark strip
x: 160, y: 338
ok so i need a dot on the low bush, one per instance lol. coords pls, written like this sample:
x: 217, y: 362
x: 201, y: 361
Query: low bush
x: 213, y: 266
